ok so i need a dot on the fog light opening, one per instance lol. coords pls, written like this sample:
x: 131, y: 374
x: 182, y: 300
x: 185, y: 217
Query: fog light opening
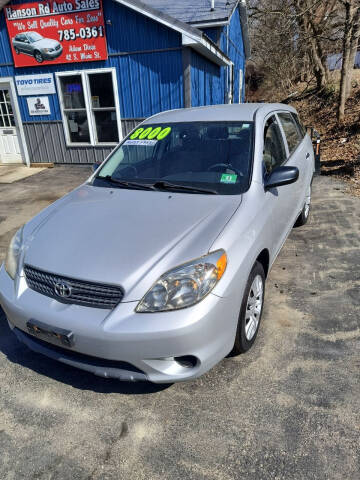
x: 187, y: 361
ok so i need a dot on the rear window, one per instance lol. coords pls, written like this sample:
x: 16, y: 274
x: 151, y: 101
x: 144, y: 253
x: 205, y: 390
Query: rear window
x: 292, y: 134
x: 299, y: 124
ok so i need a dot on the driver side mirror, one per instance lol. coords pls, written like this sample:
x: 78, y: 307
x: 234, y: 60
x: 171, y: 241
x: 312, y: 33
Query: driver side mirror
x: 281, y: 176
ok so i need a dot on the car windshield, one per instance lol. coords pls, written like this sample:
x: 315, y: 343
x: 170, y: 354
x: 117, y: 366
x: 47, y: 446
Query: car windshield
x: 34, y: 37
x: 204, y: 156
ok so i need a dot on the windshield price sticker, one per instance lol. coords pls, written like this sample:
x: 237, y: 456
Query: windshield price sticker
x: 141, y: 143
x: 151, y: 133
x: 228, y: 178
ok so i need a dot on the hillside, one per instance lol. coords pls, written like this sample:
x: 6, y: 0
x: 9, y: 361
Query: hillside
x: 340, y: 146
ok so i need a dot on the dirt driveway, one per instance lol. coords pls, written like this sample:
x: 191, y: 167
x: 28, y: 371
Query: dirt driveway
x: 289, y: 409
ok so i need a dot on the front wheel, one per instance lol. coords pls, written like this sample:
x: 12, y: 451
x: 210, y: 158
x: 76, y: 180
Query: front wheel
x: 305, y: 212
x: 251, y: 310
x: 38, y: 57
x: 17, y: 51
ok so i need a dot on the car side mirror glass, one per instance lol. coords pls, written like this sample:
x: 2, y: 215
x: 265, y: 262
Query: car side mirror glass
x: 281, y: 176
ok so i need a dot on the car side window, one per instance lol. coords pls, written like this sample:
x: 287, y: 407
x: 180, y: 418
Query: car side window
x: 300, y: 126
x: 292, y: 134
x: 274, y: 153
x: 20, y: 38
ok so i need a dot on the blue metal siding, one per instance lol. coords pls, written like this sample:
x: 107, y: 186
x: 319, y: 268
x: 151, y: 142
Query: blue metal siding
x: 236, y: 53
x: 212, y: 33
x: 147, y: 82
x: 223, y: 39
x: 210, y: 83
x: 131, y: 32
x: 207, y: 81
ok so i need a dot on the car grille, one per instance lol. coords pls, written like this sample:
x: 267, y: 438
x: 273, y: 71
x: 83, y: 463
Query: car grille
x: 57, y: 47
x: 89, y: 294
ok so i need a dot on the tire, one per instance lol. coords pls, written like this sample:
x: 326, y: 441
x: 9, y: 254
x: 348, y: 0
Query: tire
x: 248, y: 328
x: 38, y: 57
x: 17, y: 51
x: 305, y: 212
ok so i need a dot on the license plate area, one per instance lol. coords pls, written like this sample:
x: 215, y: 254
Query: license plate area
x: 48, y: 333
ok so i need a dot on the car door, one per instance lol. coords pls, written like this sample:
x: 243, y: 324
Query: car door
x: 276, y: 199
x: 27, y: 47
x: 298, y: 156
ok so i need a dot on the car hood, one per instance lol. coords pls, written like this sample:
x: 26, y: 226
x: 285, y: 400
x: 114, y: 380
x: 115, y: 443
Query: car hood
x: 46, y: 43
x: 125, y: 237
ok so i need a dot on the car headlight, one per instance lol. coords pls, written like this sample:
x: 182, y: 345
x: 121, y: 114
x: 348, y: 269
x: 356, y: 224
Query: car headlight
x: 184, y: 285
x: 13, y: 253
x: 48, y: 50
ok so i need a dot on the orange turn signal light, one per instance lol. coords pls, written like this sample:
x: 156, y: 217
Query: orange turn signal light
x: 221, y: 266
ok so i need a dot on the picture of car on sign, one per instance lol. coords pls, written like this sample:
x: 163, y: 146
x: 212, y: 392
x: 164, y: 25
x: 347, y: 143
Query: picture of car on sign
x: 35, y: 45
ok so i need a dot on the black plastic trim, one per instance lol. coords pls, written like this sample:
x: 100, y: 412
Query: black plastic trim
x: 98, y: 366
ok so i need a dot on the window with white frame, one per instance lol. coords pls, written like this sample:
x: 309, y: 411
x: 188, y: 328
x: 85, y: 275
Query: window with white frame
x: 89, y: 107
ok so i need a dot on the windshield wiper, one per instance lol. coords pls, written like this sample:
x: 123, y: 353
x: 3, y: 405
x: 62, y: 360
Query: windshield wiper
x: 185, y: 188
x: 127, y: 184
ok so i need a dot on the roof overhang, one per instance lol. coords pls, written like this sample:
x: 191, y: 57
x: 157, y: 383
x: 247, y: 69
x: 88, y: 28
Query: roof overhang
x: 245, y: 28
x: 208, y: 49
x: 191, y: 36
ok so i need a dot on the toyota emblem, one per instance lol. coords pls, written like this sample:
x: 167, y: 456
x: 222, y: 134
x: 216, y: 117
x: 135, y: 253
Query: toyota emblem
x: 62, y: 289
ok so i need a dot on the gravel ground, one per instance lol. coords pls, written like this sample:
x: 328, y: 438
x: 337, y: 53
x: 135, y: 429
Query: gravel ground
x: 288, y: 409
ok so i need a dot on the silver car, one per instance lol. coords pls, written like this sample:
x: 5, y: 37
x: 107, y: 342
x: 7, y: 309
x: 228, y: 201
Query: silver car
x: 35, y: 45
x: 155, y: 268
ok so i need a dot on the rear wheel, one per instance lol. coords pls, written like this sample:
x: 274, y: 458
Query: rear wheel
x: 38, y: 57
x: 305, y: 212
x: 251, y: 310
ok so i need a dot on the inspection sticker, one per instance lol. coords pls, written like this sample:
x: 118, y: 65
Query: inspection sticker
x: 141, y: 143
x: 228, y: 178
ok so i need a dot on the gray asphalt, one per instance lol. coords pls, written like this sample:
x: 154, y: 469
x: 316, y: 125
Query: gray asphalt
x: 288, y: 409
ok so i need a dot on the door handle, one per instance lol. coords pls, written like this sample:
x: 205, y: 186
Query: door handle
x: 307, y: 155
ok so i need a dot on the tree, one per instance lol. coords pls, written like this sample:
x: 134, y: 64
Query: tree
x: 310, y: 26
x: 350, y: 44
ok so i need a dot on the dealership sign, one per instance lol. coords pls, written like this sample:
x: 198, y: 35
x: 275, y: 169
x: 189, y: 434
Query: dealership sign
x: 35, y: 84
x: 50, y: 32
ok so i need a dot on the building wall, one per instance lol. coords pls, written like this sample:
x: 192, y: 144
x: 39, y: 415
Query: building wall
x: 147, y: 57
x: 211, y: 84
x: 207, y: 81
x: 236, y: 53
x: 147, y: 82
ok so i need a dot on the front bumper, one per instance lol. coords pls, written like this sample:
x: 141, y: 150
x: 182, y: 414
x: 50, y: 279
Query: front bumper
x: 52, y: 55
x: 147, y: 341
